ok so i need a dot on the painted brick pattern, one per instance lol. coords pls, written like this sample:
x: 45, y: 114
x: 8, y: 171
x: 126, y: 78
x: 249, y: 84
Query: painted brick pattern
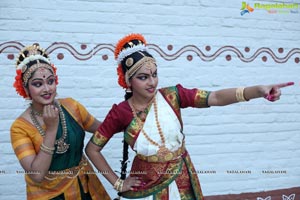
x: 246, y: 147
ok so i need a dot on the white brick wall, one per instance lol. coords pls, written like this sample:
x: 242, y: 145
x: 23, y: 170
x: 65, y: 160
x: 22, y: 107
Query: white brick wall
x: 255, y: 136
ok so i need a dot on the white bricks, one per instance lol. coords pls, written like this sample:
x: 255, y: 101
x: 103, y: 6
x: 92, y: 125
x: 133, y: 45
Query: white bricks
x: 254, y: 136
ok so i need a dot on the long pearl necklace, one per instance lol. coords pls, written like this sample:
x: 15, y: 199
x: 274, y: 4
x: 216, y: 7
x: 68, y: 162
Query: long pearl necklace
x: 62, y: 146
x: 162, y: 149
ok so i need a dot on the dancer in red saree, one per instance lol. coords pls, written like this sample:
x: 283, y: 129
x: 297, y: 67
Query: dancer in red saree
x: 151, y: 121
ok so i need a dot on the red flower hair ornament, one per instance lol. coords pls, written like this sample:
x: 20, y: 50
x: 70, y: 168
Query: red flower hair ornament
x: 121, y: 51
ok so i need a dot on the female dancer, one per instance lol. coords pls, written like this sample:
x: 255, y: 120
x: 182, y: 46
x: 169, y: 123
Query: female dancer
x: 152, y: 125
x: 48, y: 137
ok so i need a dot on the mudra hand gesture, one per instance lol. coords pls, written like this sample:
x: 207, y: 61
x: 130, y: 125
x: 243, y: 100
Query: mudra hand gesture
x: 273, y: 92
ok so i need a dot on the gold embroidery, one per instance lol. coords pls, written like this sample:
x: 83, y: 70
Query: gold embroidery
x: 201, y: 98
x: 169, y: 156
x: 99, y: 140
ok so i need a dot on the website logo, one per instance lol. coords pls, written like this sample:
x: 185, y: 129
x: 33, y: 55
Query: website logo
x: 278, y: 8
x: 271, y: 8
x: 246, y: 8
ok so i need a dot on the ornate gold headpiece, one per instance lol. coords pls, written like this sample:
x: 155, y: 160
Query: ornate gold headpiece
x: 131, y: 53
x: 30, y: 58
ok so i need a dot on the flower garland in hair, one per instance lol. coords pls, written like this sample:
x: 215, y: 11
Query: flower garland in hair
x: 118, y: 50
x: 128, y: 51
x: 32, y: 58
x: 18, y: 84
x: 121, y: 77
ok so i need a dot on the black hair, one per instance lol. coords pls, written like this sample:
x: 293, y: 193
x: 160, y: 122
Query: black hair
x: 125, y: 148
x: 135, y: 57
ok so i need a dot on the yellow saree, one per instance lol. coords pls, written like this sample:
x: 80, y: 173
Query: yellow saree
x: 70, y: 174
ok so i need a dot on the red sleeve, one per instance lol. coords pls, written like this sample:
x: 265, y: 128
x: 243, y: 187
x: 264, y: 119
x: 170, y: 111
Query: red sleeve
x: 115, y: 121
x: 192, y: 97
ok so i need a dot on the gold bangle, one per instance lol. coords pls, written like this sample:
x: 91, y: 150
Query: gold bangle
x: 49, y: 148
x: 239, y: 94
x: 46, y: 149
x: 119, y: 185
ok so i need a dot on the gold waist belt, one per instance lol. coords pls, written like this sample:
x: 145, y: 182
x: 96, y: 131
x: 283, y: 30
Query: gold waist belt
x: 164, y: 158
x: 67, y: 173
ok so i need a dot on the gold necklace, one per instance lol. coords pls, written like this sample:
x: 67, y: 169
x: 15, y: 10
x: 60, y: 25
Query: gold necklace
x: 35, y: 112
x: 142, y: 113
x: 60, y: 143
x: 162, y: 149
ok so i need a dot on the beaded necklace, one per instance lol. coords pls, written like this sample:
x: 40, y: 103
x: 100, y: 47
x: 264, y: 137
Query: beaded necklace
x: 40, y: 114
x: 62, y: 146
x: 162, y: 149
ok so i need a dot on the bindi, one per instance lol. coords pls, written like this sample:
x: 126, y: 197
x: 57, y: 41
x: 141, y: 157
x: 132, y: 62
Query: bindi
x: 43, y: 72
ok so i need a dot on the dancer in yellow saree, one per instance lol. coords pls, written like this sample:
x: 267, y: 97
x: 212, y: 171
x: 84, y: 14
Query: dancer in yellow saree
x: 151, y: 121
x: 48, y: 137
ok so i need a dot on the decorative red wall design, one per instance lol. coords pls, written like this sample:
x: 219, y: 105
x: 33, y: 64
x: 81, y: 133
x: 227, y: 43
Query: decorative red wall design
x: 277, y: 55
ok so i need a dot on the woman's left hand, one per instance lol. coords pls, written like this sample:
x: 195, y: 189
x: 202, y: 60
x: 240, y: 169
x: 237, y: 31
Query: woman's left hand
x: 272, y: 92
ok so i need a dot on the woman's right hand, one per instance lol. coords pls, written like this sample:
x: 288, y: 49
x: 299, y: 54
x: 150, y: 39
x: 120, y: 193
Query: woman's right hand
x: 51, y: 117
x: 132, y: 183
